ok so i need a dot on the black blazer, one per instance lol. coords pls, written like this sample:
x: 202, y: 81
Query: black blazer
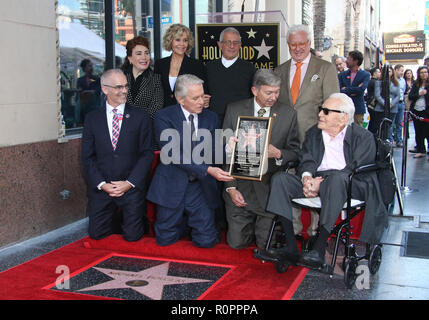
x: 132, y: 159
x: 189, y: 66
x: 414, y: 96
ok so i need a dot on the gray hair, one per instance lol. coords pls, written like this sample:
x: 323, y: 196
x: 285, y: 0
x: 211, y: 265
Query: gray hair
x: 347, y: 105
x: 229, y: 29
x: 340, y: 57
x: 266, y: 77
x: 107, y: 74
x: 182, y: 83
x: 299, y: 28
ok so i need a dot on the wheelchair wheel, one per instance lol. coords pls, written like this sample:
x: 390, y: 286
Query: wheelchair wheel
x: 350, y: 273
x: 374, y: 260
x: 281, y: 267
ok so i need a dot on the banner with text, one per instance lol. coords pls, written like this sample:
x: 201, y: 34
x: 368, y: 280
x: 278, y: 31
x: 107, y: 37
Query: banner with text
x: 260, y: 43
x: 408, y: 45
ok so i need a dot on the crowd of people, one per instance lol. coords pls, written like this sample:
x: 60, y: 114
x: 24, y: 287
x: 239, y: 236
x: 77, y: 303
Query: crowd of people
x: 317, y: 109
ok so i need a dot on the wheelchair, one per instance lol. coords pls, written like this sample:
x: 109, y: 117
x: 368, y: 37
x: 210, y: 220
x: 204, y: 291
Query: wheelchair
x: 342, y: 232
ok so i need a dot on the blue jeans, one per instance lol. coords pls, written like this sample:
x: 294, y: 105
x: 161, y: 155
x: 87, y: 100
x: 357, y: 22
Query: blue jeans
x: 397, y: 122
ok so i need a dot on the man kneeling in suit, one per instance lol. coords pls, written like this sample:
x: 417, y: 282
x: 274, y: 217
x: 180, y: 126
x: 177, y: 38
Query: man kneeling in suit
x: 246, y: 200
x: 331, y: 150
x: 117, y: 157
x: 184, y: 185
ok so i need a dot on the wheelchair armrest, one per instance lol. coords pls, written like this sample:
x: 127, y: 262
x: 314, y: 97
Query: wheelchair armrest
x: 365, y: 168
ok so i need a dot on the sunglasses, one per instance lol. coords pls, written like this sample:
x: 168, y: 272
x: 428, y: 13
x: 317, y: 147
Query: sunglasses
x: 326, y: 111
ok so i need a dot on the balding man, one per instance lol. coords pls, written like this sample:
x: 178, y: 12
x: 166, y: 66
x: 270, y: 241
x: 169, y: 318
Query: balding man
x: 117, y: 157
x: 331, y: 150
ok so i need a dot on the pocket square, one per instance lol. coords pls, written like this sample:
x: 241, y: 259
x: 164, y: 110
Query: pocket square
x: 315, y: 77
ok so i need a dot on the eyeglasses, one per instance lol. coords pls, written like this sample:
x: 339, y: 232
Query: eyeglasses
x: 118, y: 87
x: 326, y: 111
x: 300, y: 45
x: 229, y: 43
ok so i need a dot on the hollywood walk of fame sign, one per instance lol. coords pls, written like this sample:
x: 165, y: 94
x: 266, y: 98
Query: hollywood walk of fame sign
x: 145, y: 279
x: 259, y: 43
x: 249, y: 158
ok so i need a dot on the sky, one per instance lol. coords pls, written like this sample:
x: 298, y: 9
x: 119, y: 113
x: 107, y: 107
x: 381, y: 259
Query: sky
x: 396, y: 14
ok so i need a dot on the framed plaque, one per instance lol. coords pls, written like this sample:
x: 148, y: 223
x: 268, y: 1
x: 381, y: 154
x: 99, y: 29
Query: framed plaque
x: 249, y: 158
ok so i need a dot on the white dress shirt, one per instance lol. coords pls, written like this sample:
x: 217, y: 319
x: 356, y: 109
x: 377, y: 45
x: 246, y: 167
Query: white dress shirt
x: 187, y: 113
x: 110, y: 113
x: 304, y: 68
x: 227, y: 63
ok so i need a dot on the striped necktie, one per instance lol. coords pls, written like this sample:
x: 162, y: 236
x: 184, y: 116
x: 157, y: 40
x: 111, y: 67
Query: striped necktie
x: 115, y: 128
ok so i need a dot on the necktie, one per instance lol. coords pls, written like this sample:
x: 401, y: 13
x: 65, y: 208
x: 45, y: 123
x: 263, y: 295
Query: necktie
x: 192, y: 176
x: 115, y: 128
x: 191, y: 120
x: 296, y: 83
x: 261, y: 112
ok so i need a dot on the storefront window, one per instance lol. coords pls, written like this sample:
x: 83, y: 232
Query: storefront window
x: 81, y: 25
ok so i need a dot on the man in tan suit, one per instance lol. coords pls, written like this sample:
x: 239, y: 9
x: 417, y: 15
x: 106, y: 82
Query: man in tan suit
x: 307, y: 82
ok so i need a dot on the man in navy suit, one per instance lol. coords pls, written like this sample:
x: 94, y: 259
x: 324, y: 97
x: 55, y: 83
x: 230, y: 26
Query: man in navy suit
x: 184, y: 184
x: 117, y: 157
x: 353, y: 82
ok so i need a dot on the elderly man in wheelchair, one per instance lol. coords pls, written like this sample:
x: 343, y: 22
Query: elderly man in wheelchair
x: 331, y: 151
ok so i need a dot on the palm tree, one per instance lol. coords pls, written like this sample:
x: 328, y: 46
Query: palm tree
x: 319, y: 19
x: 356, y: 25
x: 348, y: 27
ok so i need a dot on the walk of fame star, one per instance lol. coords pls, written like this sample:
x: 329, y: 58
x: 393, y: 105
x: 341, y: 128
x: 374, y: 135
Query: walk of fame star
x: 149, y: 282
x: 263, y: 50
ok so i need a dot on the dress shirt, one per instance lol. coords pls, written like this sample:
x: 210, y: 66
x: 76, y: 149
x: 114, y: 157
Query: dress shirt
x: 333, y: 158
x: 304, y: 68
x: 187, y: 113
x: 227, y: 63
x: 353, y: 75
x: 109, y: 114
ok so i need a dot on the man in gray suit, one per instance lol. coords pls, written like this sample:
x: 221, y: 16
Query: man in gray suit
x: 331, y: 150
x: 307, y: 82
x: 246, y: 200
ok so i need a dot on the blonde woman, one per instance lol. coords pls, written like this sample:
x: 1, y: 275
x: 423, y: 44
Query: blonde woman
x: 179, y: 40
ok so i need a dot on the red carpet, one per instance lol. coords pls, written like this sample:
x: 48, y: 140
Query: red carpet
x: 246, y: 278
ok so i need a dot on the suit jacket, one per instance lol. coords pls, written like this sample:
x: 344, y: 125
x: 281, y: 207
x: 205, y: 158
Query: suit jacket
x: 356, y: 89
x: 188, y: 66
x: 359, y: 150
x: 319, y: 83
x: 132, y: 159
x: 284, y: 136
x: 150, y: 95
x: 170, y: 180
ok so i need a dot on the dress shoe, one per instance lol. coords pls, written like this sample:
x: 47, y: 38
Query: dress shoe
x: 312, y: 260
x: 412, y: 150
x: 280, y: 254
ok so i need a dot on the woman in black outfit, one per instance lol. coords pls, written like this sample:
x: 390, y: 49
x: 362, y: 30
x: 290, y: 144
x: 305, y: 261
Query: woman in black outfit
x: 179, y: 40
x: 145, y: 88
x: 419, y: 97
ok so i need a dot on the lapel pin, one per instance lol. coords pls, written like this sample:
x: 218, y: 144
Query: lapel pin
x: 127, y: 115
